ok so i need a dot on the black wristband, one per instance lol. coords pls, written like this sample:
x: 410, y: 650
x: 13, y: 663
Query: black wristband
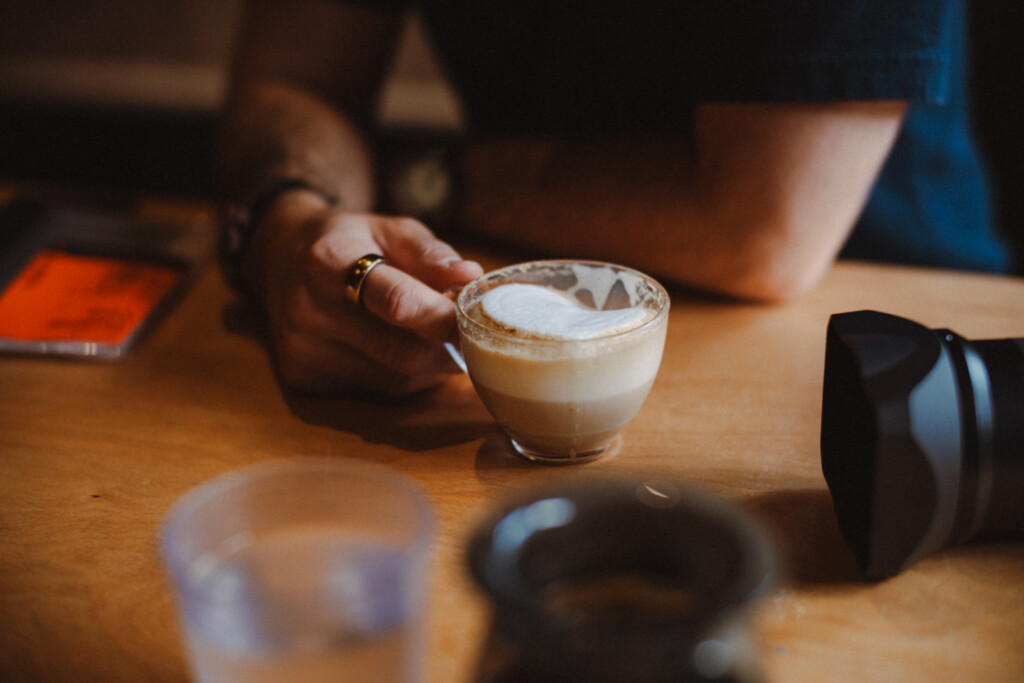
x: 242, y: 219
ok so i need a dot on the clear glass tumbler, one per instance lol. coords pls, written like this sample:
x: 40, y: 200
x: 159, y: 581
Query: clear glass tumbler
x: 303, y: 570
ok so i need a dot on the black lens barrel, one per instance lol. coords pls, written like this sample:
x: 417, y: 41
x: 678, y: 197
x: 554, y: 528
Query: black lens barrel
x: 1001, y: 438
x: 922, y: 441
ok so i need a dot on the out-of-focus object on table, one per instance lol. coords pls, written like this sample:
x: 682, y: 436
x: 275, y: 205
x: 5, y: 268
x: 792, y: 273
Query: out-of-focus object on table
x: 89, y: 282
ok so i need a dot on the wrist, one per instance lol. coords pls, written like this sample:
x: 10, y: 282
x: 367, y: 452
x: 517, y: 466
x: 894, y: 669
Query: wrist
x: 242, y: 221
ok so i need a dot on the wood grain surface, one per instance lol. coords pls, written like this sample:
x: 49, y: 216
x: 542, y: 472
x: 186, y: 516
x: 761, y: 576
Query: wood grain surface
x: 93, y: 454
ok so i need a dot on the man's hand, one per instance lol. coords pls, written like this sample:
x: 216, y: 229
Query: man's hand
x: 322, y: 342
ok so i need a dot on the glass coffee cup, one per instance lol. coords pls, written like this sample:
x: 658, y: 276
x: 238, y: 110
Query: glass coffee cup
x: 563, y: 396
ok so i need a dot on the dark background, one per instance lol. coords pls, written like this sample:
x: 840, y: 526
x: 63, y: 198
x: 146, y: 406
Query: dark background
x: 156, y: 137
x: 997, y: 32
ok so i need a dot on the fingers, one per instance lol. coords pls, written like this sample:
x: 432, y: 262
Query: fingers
x: 403, y: 301
x: 412, y: 248
x: 390, y: 344
x: 349, y: 328
x: 409, y: 291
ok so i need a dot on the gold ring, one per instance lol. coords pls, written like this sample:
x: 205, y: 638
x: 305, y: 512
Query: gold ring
x: 357, y: 276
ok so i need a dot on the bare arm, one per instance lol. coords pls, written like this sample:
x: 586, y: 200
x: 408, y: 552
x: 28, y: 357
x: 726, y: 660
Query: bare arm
x: 759, y: 210
x: 305, y: 87
x: 303, y: 90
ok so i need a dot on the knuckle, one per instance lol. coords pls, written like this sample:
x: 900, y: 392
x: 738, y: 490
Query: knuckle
x: 326, y: 253
x: 410, y: 227
x: 435, y: 251
x: 401, y: 305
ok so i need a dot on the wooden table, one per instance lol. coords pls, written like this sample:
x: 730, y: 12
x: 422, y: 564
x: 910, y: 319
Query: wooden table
x: 92, y: 455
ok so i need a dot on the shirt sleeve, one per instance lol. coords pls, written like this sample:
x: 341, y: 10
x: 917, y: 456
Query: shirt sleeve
x: 823, y: 50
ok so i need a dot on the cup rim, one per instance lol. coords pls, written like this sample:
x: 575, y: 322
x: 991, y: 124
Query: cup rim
x: 758, y: 572
x: 186, y: 504
x: 525, y: 265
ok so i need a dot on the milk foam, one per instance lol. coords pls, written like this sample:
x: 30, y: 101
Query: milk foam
x: 544, y: 313
x: 563, y: 361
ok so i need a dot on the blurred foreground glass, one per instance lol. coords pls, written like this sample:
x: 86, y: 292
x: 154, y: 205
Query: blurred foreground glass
x: 565, y: 400
x: 303, y: 570
x: 637, y: 580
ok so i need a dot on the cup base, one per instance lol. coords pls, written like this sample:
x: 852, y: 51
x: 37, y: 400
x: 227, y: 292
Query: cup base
x: 567, y: 459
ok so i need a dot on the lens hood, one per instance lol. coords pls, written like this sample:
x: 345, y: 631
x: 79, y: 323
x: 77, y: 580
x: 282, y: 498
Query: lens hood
x: 922, y: 438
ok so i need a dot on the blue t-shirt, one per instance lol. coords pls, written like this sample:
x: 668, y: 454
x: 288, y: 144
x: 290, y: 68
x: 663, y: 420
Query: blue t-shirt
x: 581, y: 68
x: 931, y: 204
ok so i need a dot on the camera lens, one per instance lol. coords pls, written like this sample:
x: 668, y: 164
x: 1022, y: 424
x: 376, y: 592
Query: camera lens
x: 922, y: 438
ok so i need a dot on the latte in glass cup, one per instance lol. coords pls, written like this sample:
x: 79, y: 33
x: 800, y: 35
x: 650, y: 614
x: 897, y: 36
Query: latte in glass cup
x: 563, y: 353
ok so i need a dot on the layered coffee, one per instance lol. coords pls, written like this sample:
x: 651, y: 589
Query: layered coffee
x: 563, y: 354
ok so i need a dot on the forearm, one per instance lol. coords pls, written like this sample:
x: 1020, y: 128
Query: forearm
x: 615, y: 200
x: 649, y: 208
x: 276, y: 131
x: 756, y: 207
x: 304, y: 86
